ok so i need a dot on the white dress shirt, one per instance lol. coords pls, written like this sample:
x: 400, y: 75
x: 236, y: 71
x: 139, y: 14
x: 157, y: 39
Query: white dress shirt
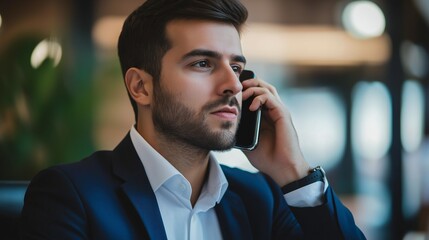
x: 173, y: 193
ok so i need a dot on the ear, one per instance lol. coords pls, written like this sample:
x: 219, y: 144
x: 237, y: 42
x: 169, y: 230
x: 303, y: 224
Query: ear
x: 140, y: 85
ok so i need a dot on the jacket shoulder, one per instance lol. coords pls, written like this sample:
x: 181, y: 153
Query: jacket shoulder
x: 247, y: 183
x: 97, y: 161
x: 84, y: 174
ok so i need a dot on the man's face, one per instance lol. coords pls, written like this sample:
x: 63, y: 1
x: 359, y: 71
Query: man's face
x: 199, y: 96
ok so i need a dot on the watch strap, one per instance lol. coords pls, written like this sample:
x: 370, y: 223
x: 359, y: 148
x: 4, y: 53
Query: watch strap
x: 315, y: 174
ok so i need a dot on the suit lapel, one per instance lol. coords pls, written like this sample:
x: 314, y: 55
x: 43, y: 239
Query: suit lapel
x: 126, y: 165
x: 232, y: 216
x: 144, y: 202
x: 136, y: 187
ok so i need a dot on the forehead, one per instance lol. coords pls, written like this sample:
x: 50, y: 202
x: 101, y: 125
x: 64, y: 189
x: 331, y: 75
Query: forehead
x: 186, y: 35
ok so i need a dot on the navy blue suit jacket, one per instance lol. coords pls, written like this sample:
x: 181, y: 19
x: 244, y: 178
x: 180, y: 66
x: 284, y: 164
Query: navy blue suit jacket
x: 108, y: 196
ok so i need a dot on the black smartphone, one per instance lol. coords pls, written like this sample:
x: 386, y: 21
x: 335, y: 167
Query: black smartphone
x: 248, y: 129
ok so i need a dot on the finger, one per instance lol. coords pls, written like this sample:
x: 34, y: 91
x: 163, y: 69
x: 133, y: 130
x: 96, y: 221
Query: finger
x: 258, y: 102
x: 259, y: 83
x: 255, y: 91
x: 262, y: 98
x: 267, y: 101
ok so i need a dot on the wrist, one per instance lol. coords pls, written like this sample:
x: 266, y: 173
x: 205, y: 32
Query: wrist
x: 292, y: 173
x: 313, y: 175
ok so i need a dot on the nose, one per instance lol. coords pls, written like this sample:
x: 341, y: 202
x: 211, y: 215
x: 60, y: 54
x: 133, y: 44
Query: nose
x: 230, y: 82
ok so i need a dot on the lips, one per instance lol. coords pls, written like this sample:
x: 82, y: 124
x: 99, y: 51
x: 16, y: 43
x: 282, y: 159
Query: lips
x: 229, y: 113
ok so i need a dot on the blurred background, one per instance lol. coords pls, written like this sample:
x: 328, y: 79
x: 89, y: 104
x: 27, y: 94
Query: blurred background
x: 353, y: 73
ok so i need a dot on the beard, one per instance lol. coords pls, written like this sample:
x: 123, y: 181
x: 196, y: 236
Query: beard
x: 175, y: 120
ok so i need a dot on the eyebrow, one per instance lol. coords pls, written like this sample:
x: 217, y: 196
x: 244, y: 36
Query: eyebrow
x: 212, y: 54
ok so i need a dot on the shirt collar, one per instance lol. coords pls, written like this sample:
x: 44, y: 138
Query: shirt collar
x: 159, y: 170
x: 216, y: 183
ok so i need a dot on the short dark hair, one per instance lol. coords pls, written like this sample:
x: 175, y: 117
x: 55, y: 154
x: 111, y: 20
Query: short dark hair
x: 143, y: 41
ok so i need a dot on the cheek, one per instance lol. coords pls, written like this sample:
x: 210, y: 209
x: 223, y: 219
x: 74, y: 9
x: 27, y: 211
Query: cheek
x: 194, y: 96
x: 191, y: 89
x: 198, y: 97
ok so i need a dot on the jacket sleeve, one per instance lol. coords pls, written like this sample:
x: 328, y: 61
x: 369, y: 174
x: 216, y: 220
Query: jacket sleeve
x: 332, y: 220
x: 52, y: 208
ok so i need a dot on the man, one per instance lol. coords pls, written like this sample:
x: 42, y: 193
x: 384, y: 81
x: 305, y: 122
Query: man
x: 181, y: 61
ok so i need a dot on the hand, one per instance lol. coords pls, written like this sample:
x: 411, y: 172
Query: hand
x: 278, y: 153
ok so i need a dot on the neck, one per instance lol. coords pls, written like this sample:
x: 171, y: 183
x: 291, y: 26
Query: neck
x: 192, y: 162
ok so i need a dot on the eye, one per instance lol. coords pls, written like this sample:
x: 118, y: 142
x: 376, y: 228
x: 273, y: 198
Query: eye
x: 202, y: 64
x: 237, y: 69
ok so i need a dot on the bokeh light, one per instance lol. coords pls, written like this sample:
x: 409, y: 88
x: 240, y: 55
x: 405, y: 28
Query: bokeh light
x: 363, y: 19
x: 412, y: 115
x: 320, y: 120
x: 44, y: 50
x: 415, y: 59
x: 371, y: 120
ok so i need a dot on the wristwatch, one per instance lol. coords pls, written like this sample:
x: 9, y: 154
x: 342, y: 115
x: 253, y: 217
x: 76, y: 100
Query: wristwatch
x: 314, y: 175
